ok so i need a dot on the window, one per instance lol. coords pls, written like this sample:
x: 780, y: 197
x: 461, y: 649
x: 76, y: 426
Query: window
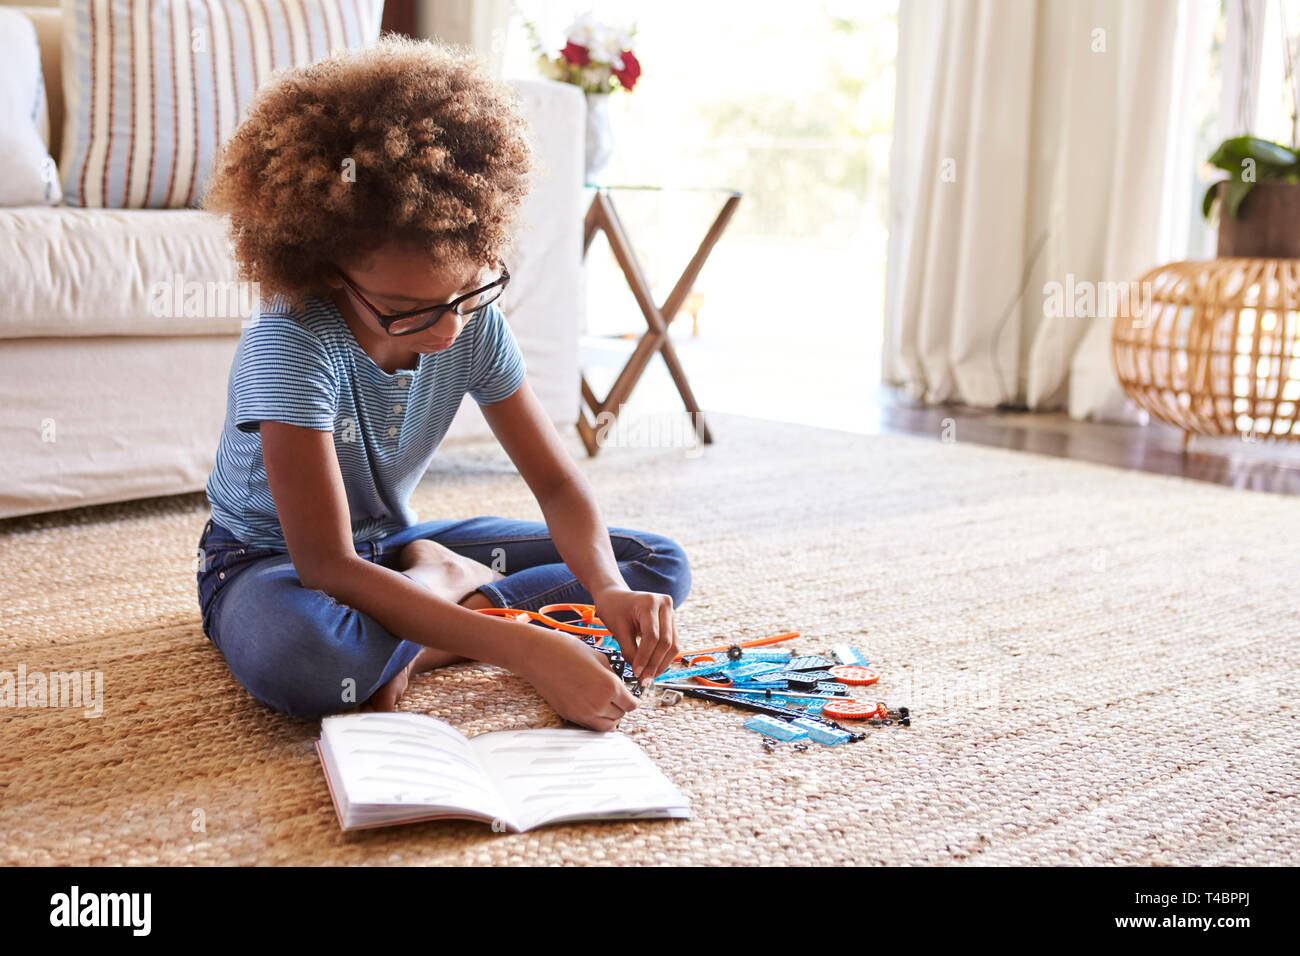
x: 793, y: 105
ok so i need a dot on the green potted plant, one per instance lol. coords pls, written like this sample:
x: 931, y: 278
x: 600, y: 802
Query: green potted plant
x: 1259, y: 202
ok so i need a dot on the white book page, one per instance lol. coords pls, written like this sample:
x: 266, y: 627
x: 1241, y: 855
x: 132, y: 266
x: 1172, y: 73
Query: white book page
x: 409, y: 760
x: 548, y: 775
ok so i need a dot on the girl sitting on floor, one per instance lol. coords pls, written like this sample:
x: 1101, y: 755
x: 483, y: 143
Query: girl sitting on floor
x: 372, y: 198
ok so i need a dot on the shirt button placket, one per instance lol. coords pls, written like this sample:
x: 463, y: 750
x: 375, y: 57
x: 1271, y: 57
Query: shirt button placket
x: 403, y: 382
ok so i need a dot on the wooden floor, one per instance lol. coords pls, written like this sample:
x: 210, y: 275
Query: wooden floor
x: 1155, y: 448
x: 804, y: 382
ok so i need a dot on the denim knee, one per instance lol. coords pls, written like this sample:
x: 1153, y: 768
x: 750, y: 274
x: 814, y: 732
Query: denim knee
x: 306, y: 655
x: 681, y: 565
x: 668, y: 570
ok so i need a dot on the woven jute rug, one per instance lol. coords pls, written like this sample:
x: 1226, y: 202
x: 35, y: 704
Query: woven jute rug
x: 1102, y: 666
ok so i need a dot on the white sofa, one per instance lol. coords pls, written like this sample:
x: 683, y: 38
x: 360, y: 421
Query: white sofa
x: 102, y: 401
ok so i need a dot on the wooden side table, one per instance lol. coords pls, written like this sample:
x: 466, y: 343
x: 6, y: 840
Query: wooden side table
x: 602, y: 215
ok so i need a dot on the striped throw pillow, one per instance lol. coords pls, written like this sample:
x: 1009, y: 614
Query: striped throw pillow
x: 151, y: 87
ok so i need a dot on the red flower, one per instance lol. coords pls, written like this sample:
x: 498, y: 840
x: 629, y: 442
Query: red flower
x: 631, y: 70
x: 575, y: 53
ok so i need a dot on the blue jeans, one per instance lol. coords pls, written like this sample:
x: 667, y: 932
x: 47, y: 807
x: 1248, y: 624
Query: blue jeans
x: 296, y: 649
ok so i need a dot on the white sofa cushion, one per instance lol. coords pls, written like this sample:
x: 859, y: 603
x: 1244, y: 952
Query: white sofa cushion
x: 74, y: 272
x: 151, y: 87
x: 27, y: 172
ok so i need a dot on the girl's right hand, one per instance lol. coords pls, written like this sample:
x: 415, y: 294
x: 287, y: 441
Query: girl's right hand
x: 577, y: 681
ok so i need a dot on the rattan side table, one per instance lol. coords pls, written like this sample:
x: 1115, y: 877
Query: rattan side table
x: 1214, y: 347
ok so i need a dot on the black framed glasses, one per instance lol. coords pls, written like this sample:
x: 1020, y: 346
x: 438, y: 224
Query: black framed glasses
x: 417, y: 320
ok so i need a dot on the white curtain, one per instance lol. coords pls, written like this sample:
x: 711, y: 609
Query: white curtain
x: 480, y: 24
x: 1033, y: 144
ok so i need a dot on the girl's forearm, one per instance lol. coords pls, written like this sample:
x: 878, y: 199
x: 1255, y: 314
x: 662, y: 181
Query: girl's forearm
x: 578, y: 529
x: 414, y: 613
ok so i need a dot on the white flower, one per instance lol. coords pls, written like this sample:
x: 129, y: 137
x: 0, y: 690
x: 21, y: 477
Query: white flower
x: 604, y: 42
x: 582, y: 30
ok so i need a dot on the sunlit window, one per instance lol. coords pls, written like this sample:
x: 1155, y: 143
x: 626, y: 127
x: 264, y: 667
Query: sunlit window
x: 792, y: 104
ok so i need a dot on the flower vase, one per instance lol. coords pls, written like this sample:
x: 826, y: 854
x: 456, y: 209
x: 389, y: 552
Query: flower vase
x: 600, y: 136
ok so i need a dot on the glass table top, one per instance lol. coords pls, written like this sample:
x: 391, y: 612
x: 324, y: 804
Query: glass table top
x: 663, y: 187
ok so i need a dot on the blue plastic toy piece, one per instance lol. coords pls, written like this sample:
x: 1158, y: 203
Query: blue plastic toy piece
x: 810, y: 705
x: 849, y: 655
x: 751, y: 670
x: 830, y: 736
x: 761, y: 682
x: 809, y: 662
x: 772, y: 727
x: 699, y: 670
x: 832, y: 687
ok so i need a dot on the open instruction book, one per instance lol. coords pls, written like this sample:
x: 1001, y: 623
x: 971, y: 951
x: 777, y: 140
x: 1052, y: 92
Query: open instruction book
x: 385, y: 768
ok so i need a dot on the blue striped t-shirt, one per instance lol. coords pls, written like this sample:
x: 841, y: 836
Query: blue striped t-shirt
x: 306, y: 368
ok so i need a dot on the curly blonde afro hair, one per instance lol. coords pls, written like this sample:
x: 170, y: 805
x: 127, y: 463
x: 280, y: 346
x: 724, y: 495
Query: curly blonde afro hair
x: 406, y: 140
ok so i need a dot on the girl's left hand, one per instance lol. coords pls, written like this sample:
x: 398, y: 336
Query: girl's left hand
x: 643, y: 624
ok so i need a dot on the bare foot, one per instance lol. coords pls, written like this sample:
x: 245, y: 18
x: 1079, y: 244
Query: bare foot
x: 444, y: 571
x: 451, y: 575
x: 386, y: 697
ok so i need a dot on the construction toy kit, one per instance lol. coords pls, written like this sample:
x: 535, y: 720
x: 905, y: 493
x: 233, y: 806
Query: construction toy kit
x: 794, y: 698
